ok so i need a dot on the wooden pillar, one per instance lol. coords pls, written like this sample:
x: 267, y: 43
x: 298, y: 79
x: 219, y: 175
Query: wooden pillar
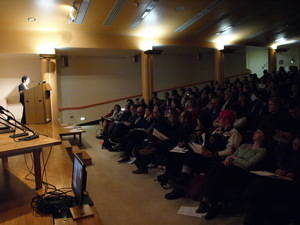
x: 272, y: 60
x: 219, y: 66
x: 45, y: 68
x: 147, y: 76
x: 49, y: 74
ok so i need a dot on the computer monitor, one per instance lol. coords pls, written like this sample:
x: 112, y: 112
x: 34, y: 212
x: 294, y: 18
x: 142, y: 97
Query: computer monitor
x: 79, y: 177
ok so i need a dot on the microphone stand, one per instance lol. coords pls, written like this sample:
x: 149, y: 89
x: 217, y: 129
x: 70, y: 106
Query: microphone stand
x: 20, y: 126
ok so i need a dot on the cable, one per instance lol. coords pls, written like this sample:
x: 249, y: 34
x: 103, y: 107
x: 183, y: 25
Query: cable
x: 30, y: 170
x: 44, y: 173
x: 54, y: 202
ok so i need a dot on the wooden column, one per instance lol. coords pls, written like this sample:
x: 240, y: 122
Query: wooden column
x: 219, y: 66
x: 272, y: 60
x: 45, y: 68
x: 49, y: 74
x: 147, y: 76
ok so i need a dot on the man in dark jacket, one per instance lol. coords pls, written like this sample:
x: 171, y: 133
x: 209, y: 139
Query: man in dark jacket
x: 23, y: 87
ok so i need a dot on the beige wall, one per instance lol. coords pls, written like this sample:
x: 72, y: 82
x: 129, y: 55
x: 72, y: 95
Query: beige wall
x: 284, y: 58
x: 234, y: 62
x: 91, y: 79
x: 176, y: 70
x: 12, y: 68
x: 257, y: 59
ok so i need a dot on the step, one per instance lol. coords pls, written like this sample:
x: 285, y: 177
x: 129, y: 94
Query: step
x: 67, y: 145
x: 76, y: 149
x: 84, y: 156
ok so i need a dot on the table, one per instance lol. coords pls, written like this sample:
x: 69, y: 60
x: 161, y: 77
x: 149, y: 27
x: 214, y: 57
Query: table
x: 8, y: 147
x: 64, y: 131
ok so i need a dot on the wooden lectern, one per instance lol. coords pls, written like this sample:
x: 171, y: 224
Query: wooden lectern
x: 38, y: 104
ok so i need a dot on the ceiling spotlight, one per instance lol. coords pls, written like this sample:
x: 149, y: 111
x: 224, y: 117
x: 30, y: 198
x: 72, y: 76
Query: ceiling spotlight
x: 227, y: 28
x: 78, y: 11
x: 224, y: 30
x: 145, y: 13
x: 31, y: 19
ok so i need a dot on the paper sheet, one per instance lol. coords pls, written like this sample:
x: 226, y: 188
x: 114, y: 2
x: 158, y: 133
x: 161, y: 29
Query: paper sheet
x: 189, y: 211
x: 271, y: 175
x: 179, y: 150
x: 196, y: 147
x: 69, y: 127
x: 159, y: 135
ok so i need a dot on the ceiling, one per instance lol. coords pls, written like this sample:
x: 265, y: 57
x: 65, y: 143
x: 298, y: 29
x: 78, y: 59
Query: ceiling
x: 253, y: 22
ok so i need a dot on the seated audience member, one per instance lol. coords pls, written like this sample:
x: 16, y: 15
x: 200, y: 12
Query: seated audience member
x: 175, y: 105
x: 294, y: 113
x: 137, y: 132
x: 120, y: 127
x: 213, y: 108
x: 190, y: 106
x: 223, y: 141
x: 274, y: 200
x: 228, y: 101
x: 294, y: 92
x: 107, y: 119
x: 148, y: 114
x: 231, y: 175
x: 178, y: 134
x: 277, y: 122
x: 242, y: 107
x: 166, y: 102
x: 189, y: 162
x: 155, y: 100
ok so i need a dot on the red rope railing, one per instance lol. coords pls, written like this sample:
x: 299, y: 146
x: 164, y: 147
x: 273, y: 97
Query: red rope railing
x: 134, y: 96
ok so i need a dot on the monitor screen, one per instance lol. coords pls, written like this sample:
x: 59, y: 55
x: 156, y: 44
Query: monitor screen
x: 79, y: 177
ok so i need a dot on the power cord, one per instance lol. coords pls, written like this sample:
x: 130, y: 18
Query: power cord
x: 55, y: 202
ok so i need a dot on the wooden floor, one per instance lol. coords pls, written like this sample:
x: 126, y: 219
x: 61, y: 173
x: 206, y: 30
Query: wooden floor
x: 16, y: 191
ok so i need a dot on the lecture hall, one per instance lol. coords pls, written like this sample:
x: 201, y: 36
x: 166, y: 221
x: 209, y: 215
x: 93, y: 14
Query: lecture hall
x: 149, y: 112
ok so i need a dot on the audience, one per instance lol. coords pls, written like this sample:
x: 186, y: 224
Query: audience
x: 207, y: 132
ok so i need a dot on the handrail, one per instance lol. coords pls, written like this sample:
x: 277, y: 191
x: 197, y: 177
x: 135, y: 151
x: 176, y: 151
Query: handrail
x: 184, y: 86
x: 134, y: 96
x: 99, y: 103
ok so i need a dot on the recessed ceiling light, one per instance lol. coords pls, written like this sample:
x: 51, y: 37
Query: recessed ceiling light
x: 31, y: 19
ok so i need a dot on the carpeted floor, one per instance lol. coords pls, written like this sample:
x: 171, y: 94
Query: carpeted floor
x: 123, y: 198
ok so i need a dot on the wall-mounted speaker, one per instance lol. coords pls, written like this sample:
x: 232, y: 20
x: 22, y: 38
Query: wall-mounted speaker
x: 199, y: 56
x: 135, y: 58
x: 65, y: 61
x: 279, y: 50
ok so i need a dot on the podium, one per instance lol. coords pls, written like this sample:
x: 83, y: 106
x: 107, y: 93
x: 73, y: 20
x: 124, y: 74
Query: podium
x: 38, y: 104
